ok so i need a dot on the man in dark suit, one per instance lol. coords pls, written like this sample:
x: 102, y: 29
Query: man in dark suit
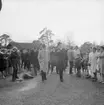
x: 34, y: 60
x: 61, y: 60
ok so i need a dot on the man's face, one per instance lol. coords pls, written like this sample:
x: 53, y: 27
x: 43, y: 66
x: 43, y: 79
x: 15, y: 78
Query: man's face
x: 35, y: 49
x: 101, y: 49
x: 53, y: 49
x: 60, y: 46
x: 94, y: 50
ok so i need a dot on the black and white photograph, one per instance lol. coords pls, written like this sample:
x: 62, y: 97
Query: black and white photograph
x: 51, y: 52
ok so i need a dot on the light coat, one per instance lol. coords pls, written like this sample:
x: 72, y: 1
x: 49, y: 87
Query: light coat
x: 43, y: 58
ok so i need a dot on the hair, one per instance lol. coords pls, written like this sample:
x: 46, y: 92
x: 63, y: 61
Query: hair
x: 44, y: 46
x: 59, y: 43
x: 102, y: 47
x: 94, y: 48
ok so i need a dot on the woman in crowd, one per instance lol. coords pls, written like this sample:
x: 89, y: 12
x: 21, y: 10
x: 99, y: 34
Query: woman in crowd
x: 101, y: 56
x: 93, y: 62
x: 84, y: 65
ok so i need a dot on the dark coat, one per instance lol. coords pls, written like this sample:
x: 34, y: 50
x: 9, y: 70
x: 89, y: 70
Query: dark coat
x: 53, y: 58
x: 34, y: 58
x: 14, y: 58
x: 61, y: 60
x: 3, y: 64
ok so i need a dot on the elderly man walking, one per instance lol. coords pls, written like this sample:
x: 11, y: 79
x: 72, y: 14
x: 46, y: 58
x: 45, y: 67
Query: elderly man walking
x: 43, y: 61
x: 60, y: 62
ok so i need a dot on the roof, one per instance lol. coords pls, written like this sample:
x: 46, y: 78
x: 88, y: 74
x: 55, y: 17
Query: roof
x: 22, y: 45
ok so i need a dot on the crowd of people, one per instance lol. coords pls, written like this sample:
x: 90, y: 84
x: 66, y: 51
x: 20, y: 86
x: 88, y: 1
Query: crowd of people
x: 43, y: 60
x: 91, y: 64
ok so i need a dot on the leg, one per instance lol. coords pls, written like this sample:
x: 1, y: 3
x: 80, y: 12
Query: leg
x: 71, y: 67
x: 57, y: 71
x: 16, y: 71
x: 45, y: 78
x: 95, y: 76
x: 35, y: 70
x: 61, y: 75
x: 25, y: 64
x: 3, y: 75
x: 13, y: 75
x: 79, y: 71
x: 42, y: 75
x: 52, y: 68
x: 22, y: 62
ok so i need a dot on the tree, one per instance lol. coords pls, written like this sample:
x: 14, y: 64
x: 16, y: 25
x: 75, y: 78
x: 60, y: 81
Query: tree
x: 46, y: 36
x: 6, y: 38
x: 85, y: 48
x: 69, y: 38
x: 102, y: 43
x: 36, y: 43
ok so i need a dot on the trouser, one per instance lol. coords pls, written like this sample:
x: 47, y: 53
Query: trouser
x: 52, y: 66
x: 79, y: 71
x: 61, y: 75
x: 14, y: 75
x: 35, y: 70
x: 27, y: 64
x: 71, y: 67
x: 22, y: 62
x: 95, y: 75
x: 43, y: 75
x: 57, y: 70
x: 49, y: 67
x: 15, y: 69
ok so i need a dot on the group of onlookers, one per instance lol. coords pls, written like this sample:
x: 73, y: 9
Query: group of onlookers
x: 92, y: 64
x: 13, y: 61
x: 44, y: 60
x: 96, y: 60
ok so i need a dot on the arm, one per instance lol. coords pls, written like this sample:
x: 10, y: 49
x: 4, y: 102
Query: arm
x: 89, y: 58
x: 39, y: 55
x: 101, y: 56
x: 67, y: 55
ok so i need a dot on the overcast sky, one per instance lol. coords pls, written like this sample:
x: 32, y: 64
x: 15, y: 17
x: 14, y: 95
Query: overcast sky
x: 81, y: 21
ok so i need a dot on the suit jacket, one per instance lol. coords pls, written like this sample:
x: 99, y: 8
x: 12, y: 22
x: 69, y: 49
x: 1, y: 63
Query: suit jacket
x: 70, y: 54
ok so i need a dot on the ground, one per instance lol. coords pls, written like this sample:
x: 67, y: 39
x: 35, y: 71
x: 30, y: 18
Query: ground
x: 73, y: 91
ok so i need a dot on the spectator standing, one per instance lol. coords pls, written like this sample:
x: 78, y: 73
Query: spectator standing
x: 14, y: 61
x: 70, y: 54
x: 34, y: 60
x: 101, y: 56
x: 93, y: 61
